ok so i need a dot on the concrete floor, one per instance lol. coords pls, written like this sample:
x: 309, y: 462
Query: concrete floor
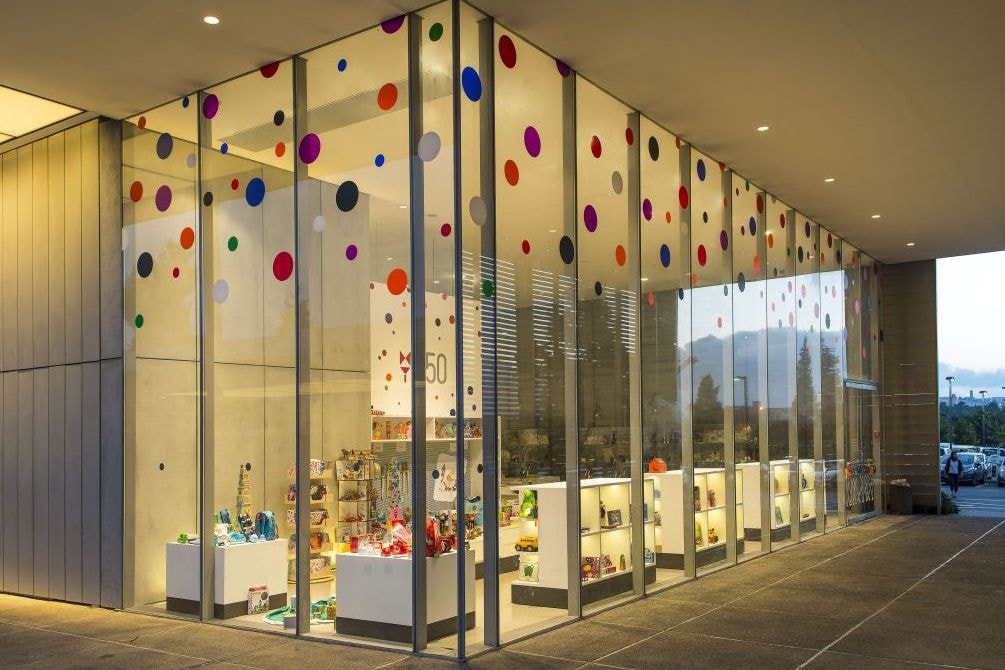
x: 896, y: 592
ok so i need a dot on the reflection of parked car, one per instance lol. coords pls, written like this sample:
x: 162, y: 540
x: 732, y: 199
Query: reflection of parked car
x: 994, y: 465
x: 526, y: 543
x: 981, y: 464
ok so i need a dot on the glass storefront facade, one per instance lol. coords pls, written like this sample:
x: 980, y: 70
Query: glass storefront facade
x: 430, y: 342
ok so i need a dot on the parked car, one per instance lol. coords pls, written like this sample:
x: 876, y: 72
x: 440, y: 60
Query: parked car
x: 973, y: 471
x: 995, y: 465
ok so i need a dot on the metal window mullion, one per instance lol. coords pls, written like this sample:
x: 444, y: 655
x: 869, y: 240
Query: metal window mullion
x: 792, y: 352
x: 764, y: 375
x: 418, y: 309
x: 687, y: 386
x: 634, y: 356
x: 729, y: 390
x: 204, y: 224
x: 302, y: 348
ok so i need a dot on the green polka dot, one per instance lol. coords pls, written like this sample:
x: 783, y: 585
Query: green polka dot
x: 487, y: 288
x: 725, y: 290
x: 232, y: 243
x: 436, y: 32
x: 138, y: 320
x: 788, y: 251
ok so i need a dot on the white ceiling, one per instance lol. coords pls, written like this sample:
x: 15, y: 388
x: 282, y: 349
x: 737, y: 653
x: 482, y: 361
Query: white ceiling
x: 900, y: 101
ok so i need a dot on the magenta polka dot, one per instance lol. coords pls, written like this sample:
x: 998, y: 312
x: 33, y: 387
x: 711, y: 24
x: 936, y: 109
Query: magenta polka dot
x: 351, y: 252
x: 391, y: 26
x: 445, y: 230
x: 210, y: 106
x: 590, y: 218
x: 647, y: 209
x: 532, y: 141
x: 724, y: 240
x: 310, y: 148
x: 163, y: 198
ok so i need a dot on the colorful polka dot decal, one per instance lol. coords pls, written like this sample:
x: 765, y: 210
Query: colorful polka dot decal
x: 566, y: 250
x: 346, y: 196
x: 387, y: 96
x: 532, y: 141
x: 397, y: 281
x: 511, y: 172
x: 310, y: 148
x: 471, y: 84
x: 507, y: 51
x: 590, y: 218
x: 210, y: 106
x: 392, y: 26
x: 165, y: 143
x: 162, y: 200
x: 282, y: 266
x: 144, y: 264
x: 254, y: 191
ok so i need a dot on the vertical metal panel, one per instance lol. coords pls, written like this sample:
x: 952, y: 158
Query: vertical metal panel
x: 111, y: 482
x: 635, y: 355
x: 110, y: 236
x: 490, y: 404
x: 302, y: 346
x: 89, y: 274
x: 687, y: 391
x: 25, y: 519
x: 40, y: 252
x: 8, y: 211
x: 569, y: 291
x: 9, y: 528
x: 90, y: 484
x: 73, y: 444
x: 56, y: 241
x: 57, y: 486
x: 418, y: 308
x: 792, y: 353
x: 40, y: 483
x: 72, y: 244
x: 25, y: 344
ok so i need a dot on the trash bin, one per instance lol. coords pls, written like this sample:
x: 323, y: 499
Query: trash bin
x: 899, y: 498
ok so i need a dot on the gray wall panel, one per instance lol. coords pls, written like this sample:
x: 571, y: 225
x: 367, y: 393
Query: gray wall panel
x: 57, y: 484
x: 40, y: 253
x: 8, y: 212
x: 71, y: 244
x: 90, y: 483
x: 10, y: 526
x: 40, y: 481
x: 110, y: 237
x: 25, y: 346
x: 71, y: 478
x: 25, y: 519
x: 57, y: 306
x: 89, y: 256
x: 111, y: 482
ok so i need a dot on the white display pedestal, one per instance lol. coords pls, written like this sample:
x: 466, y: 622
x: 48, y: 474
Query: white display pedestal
x: 373, y: 595
x: 509, y: 559
x: 779, y: 503
x: 238, y: 568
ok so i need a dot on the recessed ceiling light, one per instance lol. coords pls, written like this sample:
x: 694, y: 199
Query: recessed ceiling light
x: 829, y: 180
x: 875, y: 216
x: 645, y: 279
x: 762, y: 129
x: 211, y: 20
x: 402, y: 206
x: 552, y: 231
x: 910, y: 244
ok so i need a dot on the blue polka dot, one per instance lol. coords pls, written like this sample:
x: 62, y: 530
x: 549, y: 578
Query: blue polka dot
x: 471, y: 83
x: 378, y: 160
x: 807, y: 229
x: 665, y: 255
x: 700, y: 169
x: 741, y: 282
x: 680, y: 294
x: 224, y: 148
x: 752, y: 224
x: 254, y: 192
x: 342, y: 64
x: 184, y: 102
x: 436, y: 474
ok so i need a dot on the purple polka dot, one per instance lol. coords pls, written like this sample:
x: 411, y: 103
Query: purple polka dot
x: 350, y: 252
x: 388, y: 318
x: 210, y: 106
x: 532, y: 141
x: 724, y: 240
x: 392, y: 25
x: 310, y: 148
x: 590, y: 218
x: 163, y: 198
x: 647, y: 209
x: 563, y: 69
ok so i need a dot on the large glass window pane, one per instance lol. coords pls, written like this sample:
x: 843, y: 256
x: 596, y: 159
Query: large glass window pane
x: 712, y: 357
x: 665, y: 336
x: 808, y: 424
x: 832, y: 357
x: 750, y: 361
x: 607, y: 316
x: 248, y: 365
x: 161, y: 299
x: 536, y: 310
x: 356, y: 155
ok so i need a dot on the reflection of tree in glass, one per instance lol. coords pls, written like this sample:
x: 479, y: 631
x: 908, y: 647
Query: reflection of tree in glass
x: 707, y: 412
x: 806, y: 397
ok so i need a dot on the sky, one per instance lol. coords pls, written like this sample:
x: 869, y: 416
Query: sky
x: 972, y: 323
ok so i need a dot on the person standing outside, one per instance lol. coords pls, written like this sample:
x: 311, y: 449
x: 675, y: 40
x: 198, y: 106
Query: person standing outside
x: 954, y: 468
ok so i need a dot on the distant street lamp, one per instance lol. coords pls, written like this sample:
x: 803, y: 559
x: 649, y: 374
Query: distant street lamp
x: 984, y: 425
x: 950, y: 379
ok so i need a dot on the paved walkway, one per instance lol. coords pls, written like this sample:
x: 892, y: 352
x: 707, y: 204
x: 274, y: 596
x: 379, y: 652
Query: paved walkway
x: 987, y: 500
x: 896, y: 592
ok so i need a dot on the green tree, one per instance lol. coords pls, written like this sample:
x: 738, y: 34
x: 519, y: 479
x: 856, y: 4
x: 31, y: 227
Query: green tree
x: 707, y: 412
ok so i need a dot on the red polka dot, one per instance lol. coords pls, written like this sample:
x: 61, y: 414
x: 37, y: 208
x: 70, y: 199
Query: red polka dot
x: 175, y: 273
x: 683, y: 197
x: 445, y: 230
x: 512, y: 173
x: 282, y: 266
x: 781, y: 220
x: 718, y: 322
x: 280, y: 149
x: 141, y: 122
x: 760, y: 203
x: 722, y: 166
x: 525, y: 246
x: 234, y: 184
x: 620, y: 255
x: 397, y: 281
x: 595, y: 147
x: 702, y: 255
x: 629, y: 136
x: 136, y: 191
x: 269, y: 70
x: 507, y: 51
x: 387, y: 96
x: 187, y: 238
x: 830, y: 241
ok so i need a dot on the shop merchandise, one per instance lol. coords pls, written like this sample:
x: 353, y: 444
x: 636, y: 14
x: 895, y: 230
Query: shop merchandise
x: 246, y: 525
x: 528, y: 504
x: 802, y: 481
x: 648, y: 555
x: 258, y: 599
x: 526, y: 543
x: 265, y: 525
x: 622, y: 563
x: 243, y: 492
x: 603, y: 514
x: 528, y: 570
x: 713, y: 537
x: 778, y: 515
x: 613, y: 519
x: 445, y: 484
x: 710, y: 495
x: 697, y: 499
x: 188, y: 538
x: 657, y: 464
x: 698, y: 540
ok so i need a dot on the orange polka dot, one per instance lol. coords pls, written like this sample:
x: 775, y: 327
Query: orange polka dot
x: 136, y: 191
x: 397, y: 281
x: 669, y: 217
x: 619, y: 255
x: 142, y: 122
x: 280, y: 149
x: 187, y: 238
x: 387, y: 96
x: 757, y: 263
x: 512, y: 173
x: 387, y: 377
x: 771, y: 241
x: 694, y: 279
